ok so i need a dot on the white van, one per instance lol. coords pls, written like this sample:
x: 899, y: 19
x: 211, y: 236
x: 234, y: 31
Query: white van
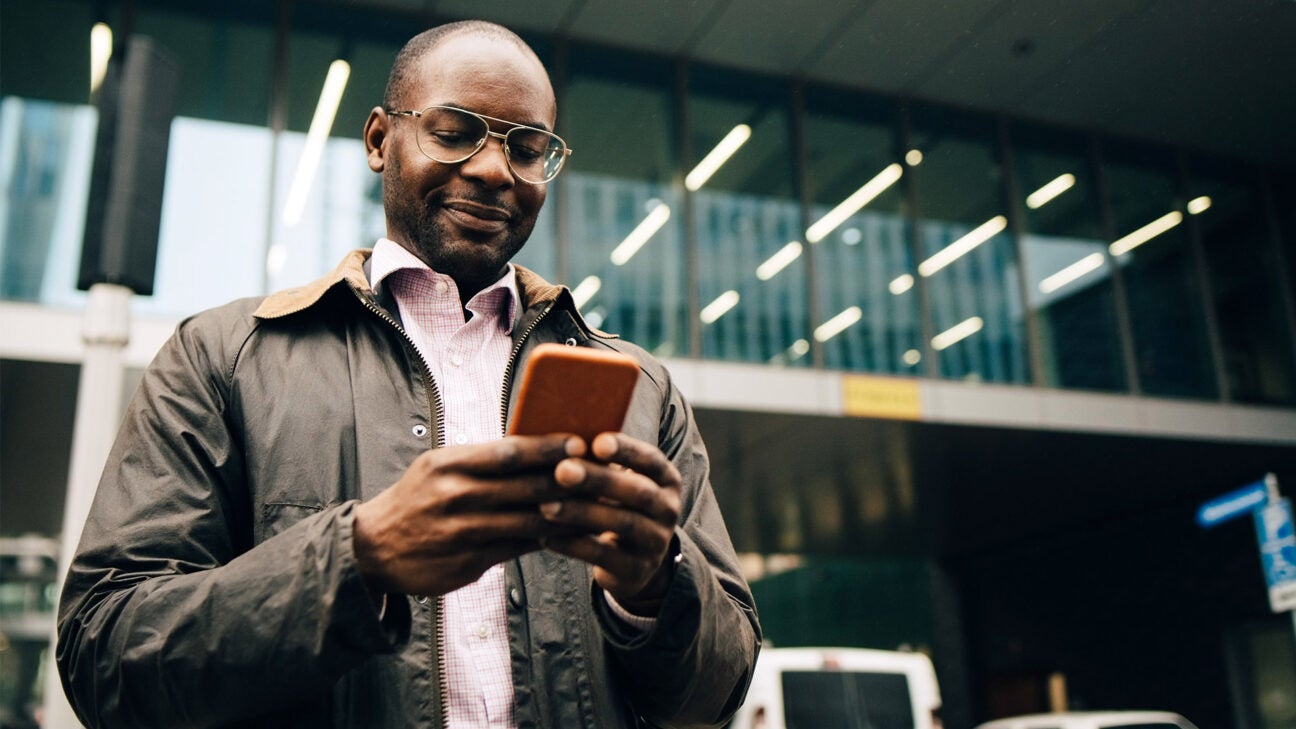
x: 846, y: 688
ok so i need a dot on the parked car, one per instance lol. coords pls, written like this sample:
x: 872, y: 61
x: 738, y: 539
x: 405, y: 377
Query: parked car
x: 1094, y: 720
x: 841, y: 688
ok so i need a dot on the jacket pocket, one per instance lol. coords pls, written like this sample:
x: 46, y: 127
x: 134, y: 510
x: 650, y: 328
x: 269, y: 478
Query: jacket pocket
x: 278, y: 516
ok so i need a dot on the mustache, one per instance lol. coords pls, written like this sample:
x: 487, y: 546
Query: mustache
x: 485, y: 199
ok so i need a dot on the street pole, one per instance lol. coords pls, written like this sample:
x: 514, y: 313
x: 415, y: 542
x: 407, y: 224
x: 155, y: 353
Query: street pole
x: 105, y: 333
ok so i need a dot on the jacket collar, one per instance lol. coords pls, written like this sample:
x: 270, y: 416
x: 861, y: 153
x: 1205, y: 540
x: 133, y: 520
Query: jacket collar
x: 534, y: 290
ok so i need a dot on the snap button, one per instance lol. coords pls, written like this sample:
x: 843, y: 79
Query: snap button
x: 515, y: 597
x: 419, y: 430
x: 571, y: 342
x: 421, y: 599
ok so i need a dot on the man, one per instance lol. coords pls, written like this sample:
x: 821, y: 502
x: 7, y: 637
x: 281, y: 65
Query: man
x: 310, y: 517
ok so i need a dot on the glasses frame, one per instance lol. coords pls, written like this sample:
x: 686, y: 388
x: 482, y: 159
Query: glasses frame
x: 503, y: 137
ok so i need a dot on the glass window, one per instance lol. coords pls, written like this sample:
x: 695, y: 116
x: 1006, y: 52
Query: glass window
x: 1152, y: 250
x: 747, y: 219
x: 44, y: 59
x: 860, y: 235
x: 814, y: 699
x: 968, y: 261
x: 626, y: 260
x: 1245, y: 278
x: 1069, y: 288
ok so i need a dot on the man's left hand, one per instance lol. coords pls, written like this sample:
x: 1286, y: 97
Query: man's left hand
x: 626, y: 493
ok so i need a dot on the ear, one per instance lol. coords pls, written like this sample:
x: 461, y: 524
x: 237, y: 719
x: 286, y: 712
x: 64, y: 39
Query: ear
x: 375, y: 137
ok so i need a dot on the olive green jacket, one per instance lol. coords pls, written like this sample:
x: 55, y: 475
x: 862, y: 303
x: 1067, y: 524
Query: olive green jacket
x: 216, y: 581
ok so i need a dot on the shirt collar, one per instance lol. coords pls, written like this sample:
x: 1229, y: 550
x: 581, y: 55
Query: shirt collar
x: 390, y: 257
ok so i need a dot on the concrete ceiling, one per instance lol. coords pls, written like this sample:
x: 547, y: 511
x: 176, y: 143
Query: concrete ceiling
x: 1213, y: 76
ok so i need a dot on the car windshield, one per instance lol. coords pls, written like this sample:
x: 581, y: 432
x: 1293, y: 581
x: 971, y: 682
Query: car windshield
x: 845, y: 699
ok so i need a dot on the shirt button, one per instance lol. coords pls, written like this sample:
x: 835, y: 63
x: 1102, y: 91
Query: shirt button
x: 482, y: 631
x: 442, y: 287
x: 456, y: 360
x: 461, y: 438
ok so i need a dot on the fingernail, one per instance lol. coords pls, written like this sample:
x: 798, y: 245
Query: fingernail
x: 551, y: 509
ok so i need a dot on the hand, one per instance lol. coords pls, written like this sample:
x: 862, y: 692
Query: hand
x: 459, y: 510
x: 625, y: 501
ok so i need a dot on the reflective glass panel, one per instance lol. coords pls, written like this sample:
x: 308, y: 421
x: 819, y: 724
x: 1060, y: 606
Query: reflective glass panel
x: 1069, y: 289
x: 967, y: 257
x: 625, y: 242
x: 861, y: 236
x: 1151, y: 247
x: 747, y: 220
x: 1242, y: 265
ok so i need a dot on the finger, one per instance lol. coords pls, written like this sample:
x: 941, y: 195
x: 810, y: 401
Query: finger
x: 636, y: 455
x: 629, y: 571
x: 478, y: 531
x: 625, y: 487
x: 511, y: 454
x: 633, y: 531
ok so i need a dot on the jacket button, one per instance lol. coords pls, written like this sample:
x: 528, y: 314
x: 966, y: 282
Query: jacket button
x: 421, y: 599
x: 571, y: 342
x: 515, y: 597
x: 419, y: 430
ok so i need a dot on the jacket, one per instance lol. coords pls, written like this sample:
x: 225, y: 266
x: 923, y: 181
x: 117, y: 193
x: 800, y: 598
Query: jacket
x: 216, y: 584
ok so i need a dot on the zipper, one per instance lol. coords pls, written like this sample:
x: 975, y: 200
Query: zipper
x: 512, y: 362
x: 438, y: 413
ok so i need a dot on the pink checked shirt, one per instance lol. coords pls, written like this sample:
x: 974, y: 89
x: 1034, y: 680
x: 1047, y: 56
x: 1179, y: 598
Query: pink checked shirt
x: 467, y: 361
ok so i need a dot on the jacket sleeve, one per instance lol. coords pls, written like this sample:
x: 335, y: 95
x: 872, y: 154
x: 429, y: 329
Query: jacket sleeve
x: 169, y: 616
x: 693, y: 668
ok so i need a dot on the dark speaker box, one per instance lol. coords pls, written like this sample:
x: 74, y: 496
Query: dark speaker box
x: 136, y: 104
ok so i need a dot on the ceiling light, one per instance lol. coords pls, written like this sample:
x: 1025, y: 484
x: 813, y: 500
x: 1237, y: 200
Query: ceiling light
x: 851, y: 205
x: 1146, y: 233
x: 640, y: 235
x: 837, y: 324
x: 718, y: 308
x: 101, y: 41
x: 717, y: 156
x: 911, y: 357
x: 1091, y: 262
x: 913, y: 157
x: 960, y: 247
x: 1052, y: 189
x: 777, y: 262
x: 1199, y: 205
x: 957, y: 333
x: 586, y: 289
x: 901, y: 283
x: 330, y: 96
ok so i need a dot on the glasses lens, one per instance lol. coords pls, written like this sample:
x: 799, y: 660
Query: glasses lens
x: 534, y: 155
x: 450, y: 135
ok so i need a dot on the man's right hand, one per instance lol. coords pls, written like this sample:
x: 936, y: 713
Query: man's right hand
x: 459, y: 510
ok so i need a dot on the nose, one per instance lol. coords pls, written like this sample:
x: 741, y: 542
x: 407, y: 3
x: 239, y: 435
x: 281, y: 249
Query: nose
x: 489, y: 164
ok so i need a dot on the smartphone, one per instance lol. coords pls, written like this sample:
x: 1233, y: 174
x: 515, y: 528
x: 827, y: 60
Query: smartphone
x: 574, y: 390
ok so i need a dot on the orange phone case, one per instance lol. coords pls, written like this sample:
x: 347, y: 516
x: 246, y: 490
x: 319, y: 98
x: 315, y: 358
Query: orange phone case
x: 574, y: 390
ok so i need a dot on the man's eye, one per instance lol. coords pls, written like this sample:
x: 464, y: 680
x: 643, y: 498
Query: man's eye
x: 525, y: 152
x: 452, y: 138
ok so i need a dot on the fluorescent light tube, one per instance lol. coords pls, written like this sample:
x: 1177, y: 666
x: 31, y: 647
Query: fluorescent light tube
x: 901, y: 284
x: 962, y: 246
x: 586, y: 289
x: 1050, y: 190
x: 837, y: 324
x: 330, y: 96
x: 780, y: 260
x: 851, y: 205
x: 101, y: 41
x: 1091, y: 262
x: 736, y: 138
x: 1199, y: 205
x: 1124, y: 245
x: 718, y: 308
x: 957, y: 333
x: 640, y: 235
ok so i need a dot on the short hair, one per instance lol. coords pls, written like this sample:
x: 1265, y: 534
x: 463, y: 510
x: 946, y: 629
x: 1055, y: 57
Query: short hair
x: 399, y: 80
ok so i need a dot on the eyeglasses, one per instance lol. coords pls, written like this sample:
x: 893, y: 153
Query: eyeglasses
x: 450, y: 136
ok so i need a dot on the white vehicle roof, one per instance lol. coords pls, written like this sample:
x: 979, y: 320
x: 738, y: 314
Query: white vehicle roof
x: 1089, y: 720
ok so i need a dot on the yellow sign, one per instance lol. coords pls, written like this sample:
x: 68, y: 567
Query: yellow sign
x: 881, y: 397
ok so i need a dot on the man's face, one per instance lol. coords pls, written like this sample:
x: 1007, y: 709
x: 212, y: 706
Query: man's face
x: 467, y: 219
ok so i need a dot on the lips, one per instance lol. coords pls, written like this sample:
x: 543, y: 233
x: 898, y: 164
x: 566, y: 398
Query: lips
x: 477, y: 216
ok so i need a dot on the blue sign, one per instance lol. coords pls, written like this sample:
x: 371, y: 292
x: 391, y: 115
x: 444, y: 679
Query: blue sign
x: 1278, y: 553
x: 1232, y: 504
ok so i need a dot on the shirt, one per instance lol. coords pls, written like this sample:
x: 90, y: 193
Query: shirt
x: 467, y: 360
